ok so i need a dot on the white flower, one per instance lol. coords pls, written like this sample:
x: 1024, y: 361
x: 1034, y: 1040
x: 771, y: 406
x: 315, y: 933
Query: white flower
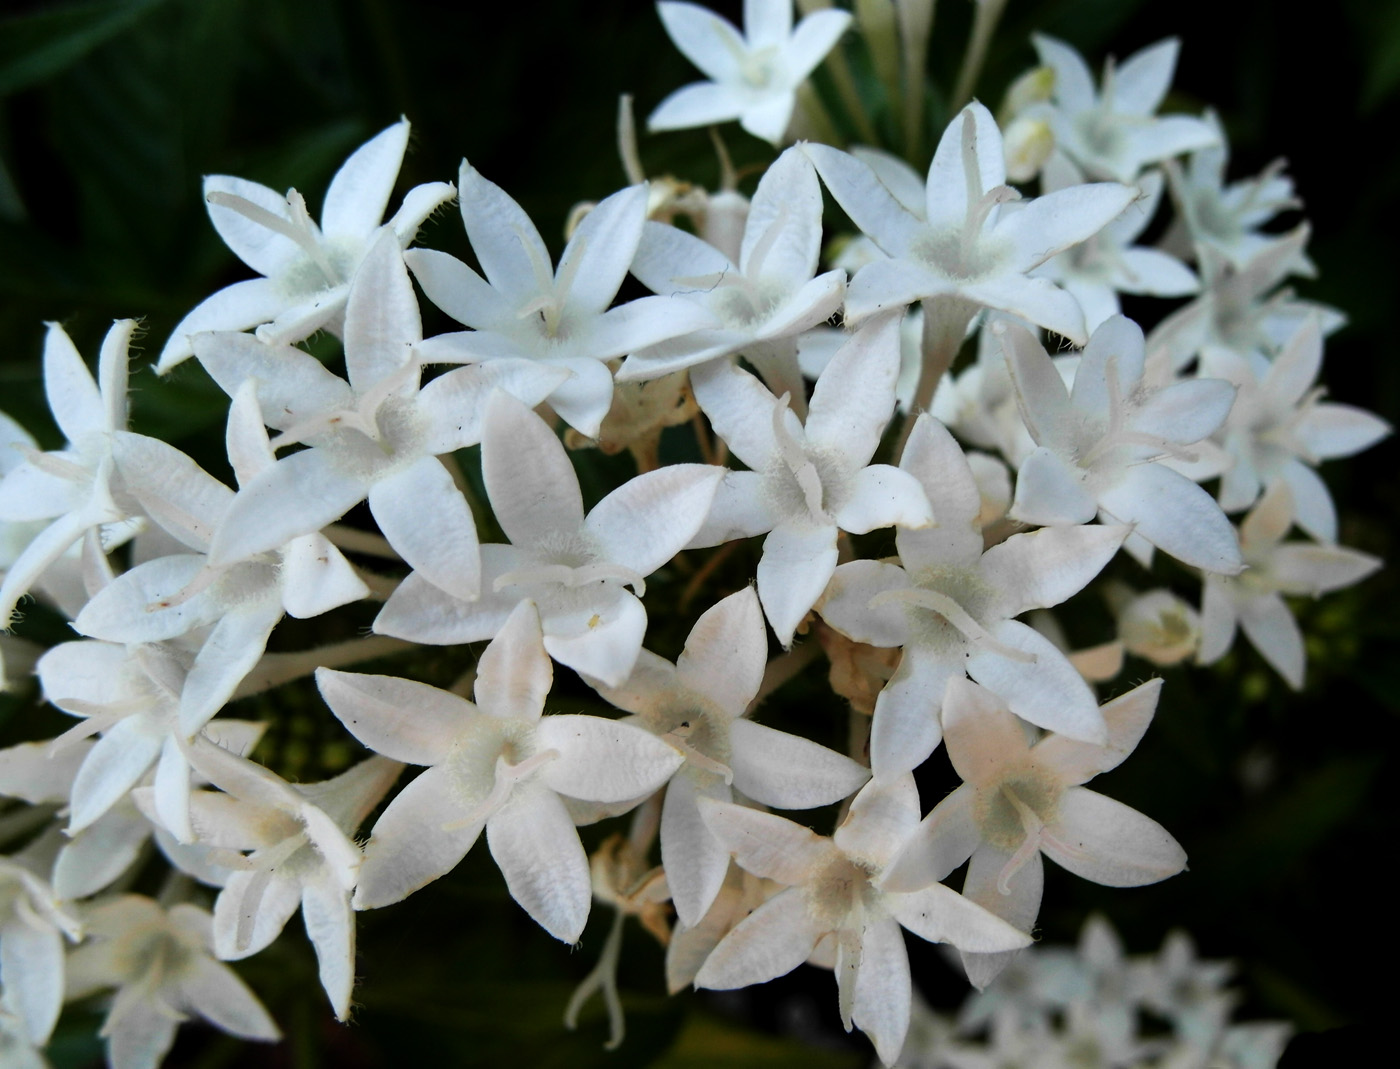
x: 698, y: 704
x: 308, y: 268
x: 808, y: 481
x: 965, y: 246
x: 75, y: 489
x: 1112, y: 132
x: 573, y: 567
x: 497, y: 765
x: 1018, y: 801
x: 299, y: 854
x: 765, y: 301
x: 1253, y: 600
x: 1108, y: 264
x: 1100, y: 445
x: 754, y: 77
x: 951, y: 608
x: 837, y: 908
x: 559, y: 318
x: 163, y: 968
x: 376, y: 437
x: 1280, y: 427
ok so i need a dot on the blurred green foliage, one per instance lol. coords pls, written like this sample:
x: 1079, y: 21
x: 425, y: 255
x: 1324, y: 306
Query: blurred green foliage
x: 110, y: 110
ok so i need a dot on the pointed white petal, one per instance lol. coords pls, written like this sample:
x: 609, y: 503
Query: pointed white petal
x: 1041, y: 569
x: 603, y: 643
x: 233, y: 648
x: 789, y: 772
x: 771, y: 941
x: 215, y: 992
x: 941, y: 915
x: 1046, y: 690
x: 402, y: 719
x: 647, y: 520
x: 1106, y: 842
x: 539, y: 854
x: 330, y: 925
x: 603, y: 760
x: 597, y: 257
x: 907, y: 727
x: 943, y: 840
x: 265, y: 251
x: 31, y: 959
x: 296, y: 496
x: 1050, y: 224
x: 768, y: 845
x: 865, y: 198
x: 420, y: 837
x: 531, y: 484
x: 359, y: 192
x: 883, y: 992
x: 695, y: 861
x: 427, y: 520
x: 381, y: 316
x: 510, y: 249
x: 798, y: 561
x: 113, y: 766
x: 726, y: 652
x: 697, y: 104
x: 1176, y: 516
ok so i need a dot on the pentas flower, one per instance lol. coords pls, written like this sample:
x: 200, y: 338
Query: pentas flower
x: 1254, y: 601
x: 1112, y: 132
x: 131, y: 694
x: 754, y: 76
x: 1100, y: 445
x: 1019, y: 801
x: 497, y: 765
x: 557, y: 317
x: 1243, y: 308
x: 1159, y: 626
x: 376, y: 437
x: 1108, y: 263
x: 808, y: 481
x: 836, y: 906
x: 1226, y: 217
x: 698, y: 705
x: 951, y: 607
x: 308, y: 268
x: 765, y: 301
x: 1280, y: 427
x: 298, y: 854
x: 75, y: 489
x: 164, y: 970
x: 239, y: 603
x: 575, y: 568
x: 965, y: 246
x: 33, y: 925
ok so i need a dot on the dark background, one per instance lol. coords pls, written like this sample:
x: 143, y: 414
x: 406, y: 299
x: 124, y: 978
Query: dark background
x: 110, y: 112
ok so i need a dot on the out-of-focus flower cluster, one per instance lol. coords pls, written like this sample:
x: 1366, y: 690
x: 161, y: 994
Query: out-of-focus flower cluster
x: 1010, y: 483
x: 1095, y: 1008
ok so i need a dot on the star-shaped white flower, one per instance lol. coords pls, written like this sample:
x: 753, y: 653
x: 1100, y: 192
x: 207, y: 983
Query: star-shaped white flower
x: 1099, y: 445
x: 1254, y: 601
x: 1018, y: 801
x: 964, y: 246
x: 1107, y: 264
x: 498, y: 765
x: 951, y: 607
x: 765, y: 301
x: 1112, y: 132
x: 299, y: 853
x: 806, y: 482
x: 163, y: 967
x: 376, y: 437
x: 558, y: 317
x: 754, y: 76
x: 699, y: 704
x: 1280, y: 427
x: 75, y: 489
x: 308, y: 268
x: 239, y: 603
x: 575, y: 568
x: 836, y: 907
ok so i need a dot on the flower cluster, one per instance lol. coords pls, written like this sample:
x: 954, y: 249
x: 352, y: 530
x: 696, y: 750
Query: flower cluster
x: 1005, y: 487
x: 1094, y: 1006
